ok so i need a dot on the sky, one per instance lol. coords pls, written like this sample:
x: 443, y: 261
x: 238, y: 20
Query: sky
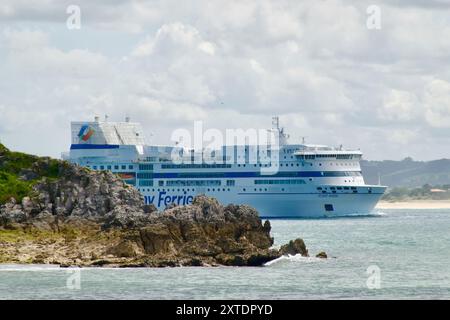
x: 329, y: 74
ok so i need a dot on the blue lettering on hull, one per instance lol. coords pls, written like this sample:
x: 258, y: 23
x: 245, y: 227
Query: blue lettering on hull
x: 164, y: 199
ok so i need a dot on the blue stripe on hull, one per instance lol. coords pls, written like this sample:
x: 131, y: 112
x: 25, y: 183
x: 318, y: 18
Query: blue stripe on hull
x: 93, y: 146
x: 255, y: 174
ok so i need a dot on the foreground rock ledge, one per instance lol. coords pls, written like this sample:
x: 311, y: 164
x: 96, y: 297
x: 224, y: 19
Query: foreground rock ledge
x: 87, y: 218
x: 202, y: 234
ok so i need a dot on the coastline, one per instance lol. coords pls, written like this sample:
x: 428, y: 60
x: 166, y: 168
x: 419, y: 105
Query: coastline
x: 414, y: 204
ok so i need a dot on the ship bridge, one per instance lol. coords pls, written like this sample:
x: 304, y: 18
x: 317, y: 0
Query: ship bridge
x: 323, y: 152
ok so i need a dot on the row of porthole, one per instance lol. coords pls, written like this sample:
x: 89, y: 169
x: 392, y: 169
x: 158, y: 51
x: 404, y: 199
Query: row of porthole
x: 297, y: 164
x: 266, y: 165
x: 244, y: 189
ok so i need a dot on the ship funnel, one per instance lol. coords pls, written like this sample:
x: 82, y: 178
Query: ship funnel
x: 96, y: 118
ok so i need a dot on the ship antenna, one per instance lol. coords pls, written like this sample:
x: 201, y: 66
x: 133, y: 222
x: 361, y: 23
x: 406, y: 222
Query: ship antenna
x: 276, y: 123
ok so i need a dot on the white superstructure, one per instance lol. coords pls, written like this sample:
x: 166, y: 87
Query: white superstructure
x: 308, y: 181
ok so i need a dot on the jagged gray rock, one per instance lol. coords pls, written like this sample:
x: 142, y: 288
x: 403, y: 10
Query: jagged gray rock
x: 96, y: 219
x: 295, y: 247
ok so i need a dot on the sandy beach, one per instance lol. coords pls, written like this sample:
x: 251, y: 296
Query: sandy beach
x: 415, y: 204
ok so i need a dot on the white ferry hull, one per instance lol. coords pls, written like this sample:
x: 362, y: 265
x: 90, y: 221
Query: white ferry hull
x: 286, y: 204
x: 312, y: 206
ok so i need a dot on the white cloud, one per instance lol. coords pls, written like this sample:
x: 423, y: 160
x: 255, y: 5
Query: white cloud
x: 400, y: 106
x: 230, y: 63
x: 437, y: 103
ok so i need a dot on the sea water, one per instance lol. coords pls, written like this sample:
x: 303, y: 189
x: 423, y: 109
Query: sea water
x: 394, y: 254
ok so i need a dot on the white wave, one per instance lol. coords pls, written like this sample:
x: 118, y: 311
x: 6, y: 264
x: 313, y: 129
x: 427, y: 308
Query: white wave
x: 296, y: 258
x: 30, y: 267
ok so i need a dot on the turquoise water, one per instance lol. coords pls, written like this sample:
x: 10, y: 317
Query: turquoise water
x: 411, y: 248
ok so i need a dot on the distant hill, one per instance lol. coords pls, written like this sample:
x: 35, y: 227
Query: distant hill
x: 407, y: 173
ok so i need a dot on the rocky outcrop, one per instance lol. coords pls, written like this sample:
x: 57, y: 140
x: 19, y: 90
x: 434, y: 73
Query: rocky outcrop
x: 295, y: 247
x: 322, y: 255
x: 202, y: 234
x: 75, y: 216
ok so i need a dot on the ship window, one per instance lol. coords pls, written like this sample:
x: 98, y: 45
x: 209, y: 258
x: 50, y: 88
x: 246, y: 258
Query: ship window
x: 124, y: 167
x: 290, y: 181
x: 161, y: 183
x: 230, y: 183
x: 329, y: 207
x: 346, y: 188
x: 102, y: 167
x: 145, y: 167
x: 130, y: 167
x: 199, y: 183
x: 116, y: 167
x: 108, y: 167
x: 146, y: 183
x: 95, y: 167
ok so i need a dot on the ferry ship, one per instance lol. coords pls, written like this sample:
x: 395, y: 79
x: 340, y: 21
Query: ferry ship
x: 309, y: 180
